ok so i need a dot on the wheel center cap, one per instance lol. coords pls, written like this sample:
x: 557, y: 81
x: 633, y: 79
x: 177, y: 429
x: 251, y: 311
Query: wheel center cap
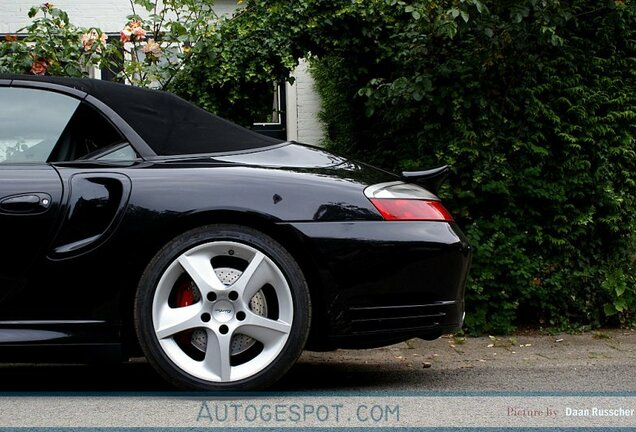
x: 223, y: 311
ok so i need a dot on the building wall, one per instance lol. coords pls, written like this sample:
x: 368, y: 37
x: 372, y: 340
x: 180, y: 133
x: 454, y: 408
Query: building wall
x: 108, y: 15
x: 303, y: 103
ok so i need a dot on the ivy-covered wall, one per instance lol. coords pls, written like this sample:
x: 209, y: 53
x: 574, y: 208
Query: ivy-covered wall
x: 533, y: 104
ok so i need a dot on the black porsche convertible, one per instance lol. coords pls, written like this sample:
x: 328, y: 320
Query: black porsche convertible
x: 134, y: 223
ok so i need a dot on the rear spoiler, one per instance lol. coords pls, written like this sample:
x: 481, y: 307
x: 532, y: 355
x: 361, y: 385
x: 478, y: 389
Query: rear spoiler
x: 431, y: 179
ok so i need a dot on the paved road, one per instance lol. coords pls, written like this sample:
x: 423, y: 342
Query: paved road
x: 602, y: 361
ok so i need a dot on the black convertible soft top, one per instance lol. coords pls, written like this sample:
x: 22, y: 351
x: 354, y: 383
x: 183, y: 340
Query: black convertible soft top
x: 169, y: 125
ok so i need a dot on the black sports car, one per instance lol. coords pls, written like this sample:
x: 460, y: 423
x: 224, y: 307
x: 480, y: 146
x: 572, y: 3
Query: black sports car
x: 134, y: 222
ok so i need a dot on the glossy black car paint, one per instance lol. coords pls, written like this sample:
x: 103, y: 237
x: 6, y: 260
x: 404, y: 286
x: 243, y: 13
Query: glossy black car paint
x: 68, y: 273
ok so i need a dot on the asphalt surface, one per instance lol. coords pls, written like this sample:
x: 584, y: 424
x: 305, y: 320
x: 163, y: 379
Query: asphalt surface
x: 599, y: 361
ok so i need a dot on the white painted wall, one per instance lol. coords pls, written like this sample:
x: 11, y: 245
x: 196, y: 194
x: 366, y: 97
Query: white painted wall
x: 303, y: 103
x: 108, y: 15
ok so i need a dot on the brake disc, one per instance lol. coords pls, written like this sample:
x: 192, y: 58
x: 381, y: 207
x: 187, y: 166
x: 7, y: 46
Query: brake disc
x: 258, y: 305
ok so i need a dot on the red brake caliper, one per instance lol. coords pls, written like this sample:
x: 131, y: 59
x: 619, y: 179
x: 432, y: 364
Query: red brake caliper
x: 185, y: 297
x: 185, y: 294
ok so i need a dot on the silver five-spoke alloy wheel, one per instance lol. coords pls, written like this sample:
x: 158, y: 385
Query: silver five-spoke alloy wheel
x: 224, y: 310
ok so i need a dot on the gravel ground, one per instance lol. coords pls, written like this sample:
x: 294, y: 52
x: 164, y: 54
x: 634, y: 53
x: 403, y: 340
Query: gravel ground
x: 598, y: 361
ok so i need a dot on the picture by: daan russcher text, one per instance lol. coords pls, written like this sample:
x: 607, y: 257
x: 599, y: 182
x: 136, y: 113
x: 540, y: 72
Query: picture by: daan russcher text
x: 598, y: 412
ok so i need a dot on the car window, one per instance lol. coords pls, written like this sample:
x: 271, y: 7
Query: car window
x: 31, y: 123
x: 88, y: 133
x: 124, y: 153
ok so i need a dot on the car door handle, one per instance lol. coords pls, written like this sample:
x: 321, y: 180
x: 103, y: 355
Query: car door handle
x: 26, y: 204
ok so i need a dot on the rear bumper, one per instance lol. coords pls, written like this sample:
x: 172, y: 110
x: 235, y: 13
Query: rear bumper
x: 385, y: 282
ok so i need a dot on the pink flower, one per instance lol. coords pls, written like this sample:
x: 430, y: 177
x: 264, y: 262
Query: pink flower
x: 48, y: 6
x: 88, y: 39
x: 139, y: 33
x: 39, y: 67
x: 125, y: 34
x: 152, y: 49
x: 93, y: 38
x: 133, y: 32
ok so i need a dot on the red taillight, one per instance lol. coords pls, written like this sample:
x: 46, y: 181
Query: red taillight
x: 411, y: 209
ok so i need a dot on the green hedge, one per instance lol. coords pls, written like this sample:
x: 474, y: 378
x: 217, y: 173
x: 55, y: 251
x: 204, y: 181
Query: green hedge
x: 533, y: 104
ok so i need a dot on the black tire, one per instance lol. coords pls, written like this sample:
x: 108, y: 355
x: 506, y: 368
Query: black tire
x: 163, y: 352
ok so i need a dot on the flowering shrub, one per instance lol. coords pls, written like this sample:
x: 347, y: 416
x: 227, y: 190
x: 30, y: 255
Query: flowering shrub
x: 52, y: 46
x: 153, y: 47
x: 148, y: 52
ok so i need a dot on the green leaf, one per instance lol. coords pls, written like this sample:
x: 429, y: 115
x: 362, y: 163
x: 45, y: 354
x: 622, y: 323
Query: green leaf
x: 620, y: 304
x: 620, y: 289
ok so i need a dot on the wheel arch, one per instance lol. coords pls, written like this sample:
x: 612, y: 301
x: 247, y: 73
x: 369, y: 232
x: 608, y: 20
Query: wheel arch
x: 284, y: 234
